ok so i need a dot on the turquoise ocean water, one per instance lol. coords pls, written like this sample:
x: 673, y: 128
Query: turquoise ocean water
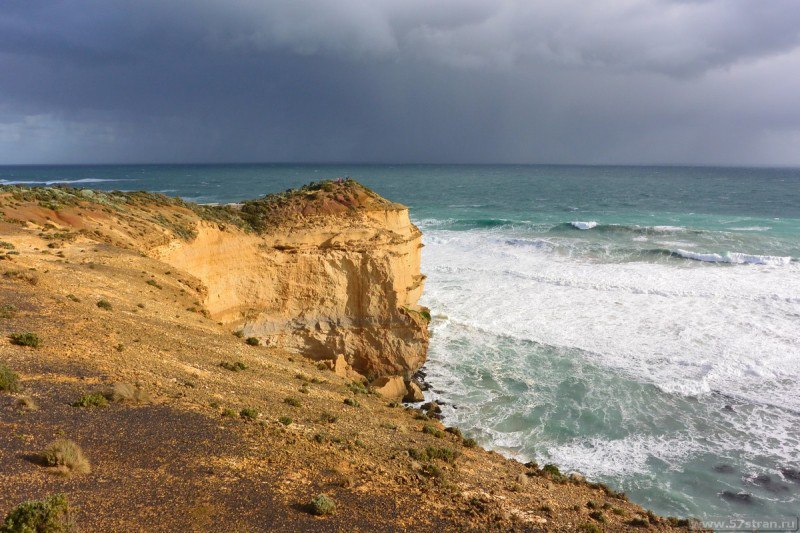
x: 640, y: 325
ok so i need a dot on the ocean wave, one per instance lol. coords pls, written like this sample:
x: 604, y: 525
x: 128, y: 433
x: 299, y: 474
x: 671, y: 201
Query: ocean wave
x: 623, y: 228
x: 734, y: 258
x: 57, y: 182
x: 584, y: 225
x: 751, y: 228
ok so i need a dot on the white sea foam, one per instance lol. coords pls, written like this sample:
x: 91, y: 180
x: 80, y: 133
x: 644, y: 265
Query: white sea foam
x: 752, y: 228
x: 736, y: 258
x: 584, y: 225
x: 687, y: 331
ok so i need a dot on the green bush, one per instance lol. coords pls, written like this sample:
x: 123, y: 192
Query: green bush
x: 7, y: 311
x: 9, y: 380
x: 25, y: 339
x: 253, y: 341
x: 551, y: 470
x: 294, y: 402
x: 356, y: 387
x: 91, y: 400
x: 285, y: 420
x: 105, y: 304
x: 236, y: 366
x: 352, y: 402
x: 328, y: 417
x: 249, y: 413
x: 51, y: 515
x: 431, y: 430
x: 322, y: 505
x: 469, y: 443
x: 153, y: 283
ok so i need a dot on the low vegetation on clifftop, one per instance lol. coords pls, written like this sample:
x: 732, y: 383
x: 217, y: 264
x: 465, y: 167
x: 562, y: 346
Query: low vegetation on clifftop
x: 154, y: 411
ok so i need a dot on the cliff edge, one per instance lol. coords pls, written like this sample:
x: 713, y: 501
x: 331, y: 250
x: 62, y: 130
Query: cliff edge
x: 327, y: 270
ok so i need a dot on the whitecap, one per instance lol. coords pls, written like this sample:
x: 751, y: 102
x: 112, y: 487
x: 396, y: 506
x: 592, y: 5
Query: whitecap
x: 584, y: 225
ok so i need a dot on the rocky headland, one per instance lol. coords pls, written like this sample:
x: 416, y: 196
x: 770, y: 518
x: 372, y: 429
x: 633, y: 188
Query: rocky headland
x: 222, y: 367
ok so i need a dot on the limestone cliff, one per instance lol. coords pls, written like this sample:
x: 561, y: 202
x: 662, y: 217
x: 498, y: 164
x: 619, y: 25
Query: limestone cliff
x: 328, y: 272
x: 329, y: 269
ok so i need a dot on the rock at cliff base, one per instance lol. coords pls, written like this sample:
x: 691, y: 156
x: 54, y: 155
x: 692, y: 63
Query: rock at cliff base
x: 391, y: 387
x: 343, y: 369
x: 413, y: 393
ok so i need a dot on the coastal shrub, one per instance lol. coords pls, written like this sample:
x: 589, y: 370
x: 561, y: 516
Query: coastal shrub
x: 356, y: 387
x: 235, y: 366
x: 431, y: 430
x: 597, y: 515
x: 322, y: 505
x: 426, y: 314
x: 153, y: 283
x: 469, y: 443
x: 6, y: 245
x: 285, y: 420
x: 248, y: 413
x: 304, y: 388
x: 91, y: 400
x: 253, y: 341
x: 431, y: 470
x: 352, y: 402
x: 67, y: 455
x: 551, y: 470
x: 328, y: 417
x: 228, y: 413
x: 638, y: 521
x: 73, y: 298
x: 105, y: 304
x: 294, y: 402
x: 50, y: 515
x: 589, y: 528
x: 8, y: 311
x: 9, y: 380
x: 26, y: 403
x: 238, y: 333
x: 25, y: 339
x: 454, y: 431
x: 319, y: 438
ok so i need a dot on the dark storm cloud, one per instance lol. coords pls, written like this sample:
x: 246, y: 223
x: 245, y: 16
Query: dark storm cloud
x: 408, y: 80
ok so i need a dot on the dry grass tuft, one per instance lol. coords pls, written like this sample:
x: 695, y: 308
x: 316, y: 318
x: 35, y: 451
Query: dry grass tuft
x: 125, y: 392
x: 67, y: 456
x: 26, y: 403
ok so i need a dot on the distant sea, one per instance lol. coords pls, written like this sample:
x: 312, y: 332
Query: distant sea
x: 640, y: 325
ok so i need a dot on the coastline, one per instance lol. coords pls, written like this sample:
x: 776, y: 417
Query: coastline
x: 374, y: 455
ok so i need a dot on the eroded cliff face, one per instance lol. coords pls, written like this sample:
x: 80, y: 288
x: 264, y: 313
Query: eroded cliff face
x: 321, y: 285
x: 326, y: 270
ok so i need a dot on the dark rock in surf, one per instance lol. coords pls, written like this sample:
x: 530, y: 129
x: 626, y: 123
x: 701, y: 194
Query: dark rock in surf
x: 738, y: 497
x: 724, y: 469
x: 792, y: 474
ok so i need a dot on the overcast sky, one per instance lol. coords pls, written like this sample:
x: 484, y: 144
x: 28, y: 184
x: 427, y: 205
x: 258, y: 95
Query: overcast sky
x: 506, y: 81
